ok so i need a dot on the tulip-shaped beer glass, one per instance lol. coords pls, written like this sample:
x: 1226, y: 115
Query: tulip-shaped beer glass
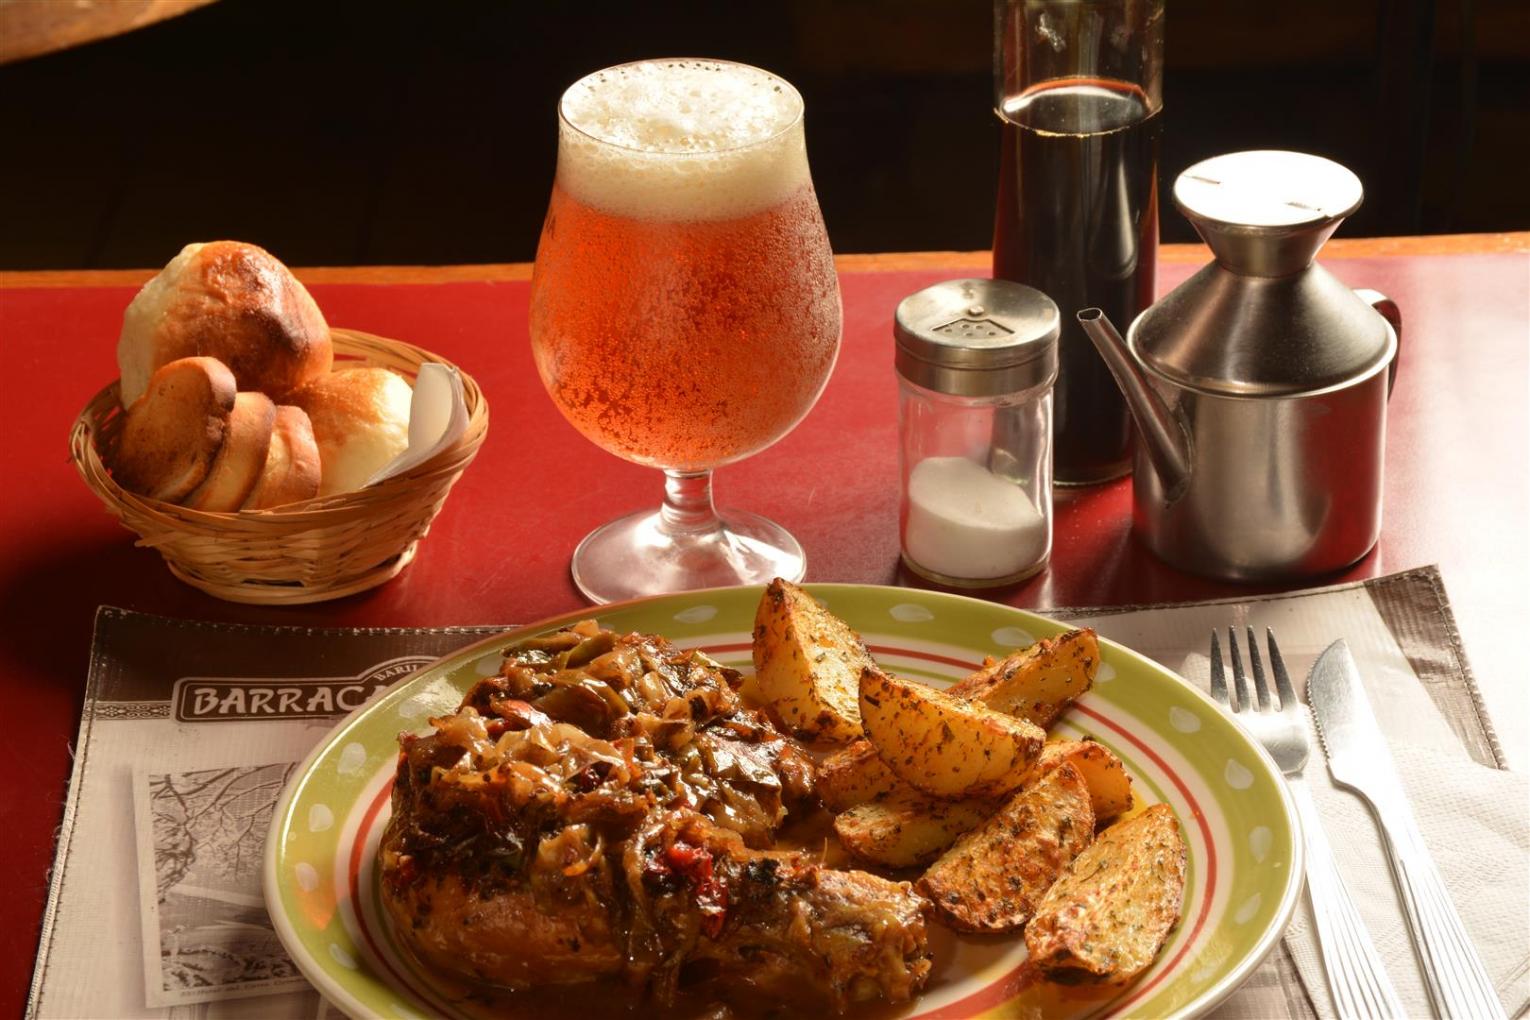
x: 684, y: 308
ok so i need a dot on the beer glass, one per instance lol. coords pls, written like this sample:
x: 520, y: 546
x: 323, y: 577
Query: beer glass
x: 685, y: 312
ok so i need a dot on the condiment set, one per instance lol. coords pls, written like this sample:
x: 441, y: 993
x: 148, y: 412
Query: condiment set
x: 1259, y: 385
x: 1259, y: 388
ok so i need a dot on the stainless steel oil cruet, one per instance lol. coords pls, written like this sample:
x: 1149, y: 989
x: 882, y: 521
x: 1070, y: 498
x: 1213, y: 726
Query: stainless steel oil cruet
x: 1260, y: 384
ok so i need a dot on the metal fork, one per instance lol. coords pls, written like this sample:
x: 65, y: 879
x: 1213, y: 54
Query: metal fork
x: 1356, y: 978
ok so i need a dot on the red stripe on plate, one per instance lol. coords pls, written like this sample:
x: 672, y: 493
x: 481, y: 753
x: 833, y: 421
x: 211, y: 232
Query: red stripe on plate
x: 363, y: 832
x: 1211, y: 855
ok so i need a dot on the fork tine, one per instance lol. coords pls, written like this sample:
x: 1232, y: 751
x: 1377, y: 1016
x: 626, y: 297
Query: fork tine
x: 1282, y: 678
x: 1261, y: 686
x: 1240, y: 679
x: 1218, y: 676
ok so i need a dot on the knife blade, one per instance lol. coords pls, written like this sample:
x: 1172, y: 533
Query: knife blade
x: 1357, y: 753
x: 1358, y: 759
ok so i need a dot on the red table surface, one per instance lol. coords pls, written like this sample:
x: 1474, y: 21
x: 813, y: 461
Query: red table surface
x: 1456, y: 495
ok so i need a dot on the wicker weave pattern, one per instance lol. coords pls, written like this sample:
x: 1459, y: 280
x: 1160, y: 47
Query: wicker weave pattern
x: 303, y: 552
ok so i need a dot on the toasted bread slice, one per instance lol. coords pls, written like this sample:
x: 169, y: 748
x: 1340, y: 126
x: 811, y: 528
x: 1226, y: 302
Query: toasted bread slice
x: 291, y: 473
x: 173, y: 432
x: 239, y: 462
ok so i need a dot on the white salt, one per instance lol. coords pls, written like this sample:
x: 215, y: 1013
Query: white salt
x: 964, y: 521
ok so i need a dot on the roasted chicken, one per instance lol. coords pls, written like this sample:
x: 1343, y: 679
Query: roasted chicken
x: 603, y: 809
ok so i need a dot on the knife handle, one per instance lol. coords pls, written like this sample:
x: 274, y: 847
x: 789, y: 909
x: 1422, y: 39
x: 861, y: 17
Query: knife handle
x: 1359, y: 983
x: 1458, y: 984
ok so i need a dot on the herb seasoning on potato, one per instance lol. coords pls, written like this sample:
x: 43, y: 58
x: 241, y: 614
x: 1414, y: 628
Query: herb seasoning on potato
x: 1111, y: 911
x: 943, y: 745
x: 806, y: 662
x: 964, y: 784
x: 991, y: 881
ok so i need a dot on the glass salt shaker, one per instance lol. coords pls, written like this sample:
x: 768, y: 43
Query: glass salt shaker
x: 976, y: 360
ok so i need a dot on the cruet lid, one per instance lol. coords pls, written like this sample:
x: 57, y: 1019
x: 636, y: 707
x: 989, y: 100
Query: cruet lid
x: 1264, y: 319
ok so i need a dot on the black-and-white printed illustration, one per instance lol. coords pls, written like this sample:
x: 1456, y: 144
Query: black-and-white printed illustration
x: 206, y: 931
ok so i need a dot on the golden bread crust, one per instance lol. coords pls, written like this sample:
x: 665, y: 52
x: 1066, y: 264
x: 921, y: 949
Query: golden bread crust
x: 232, y: 301
x: 360, y: 419
x: 172, y: 434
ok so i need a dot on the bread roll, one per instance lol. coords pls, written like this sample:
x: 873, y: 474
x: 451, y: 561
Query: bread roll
x: 360, y: 420
x: 239, y: 463
x: 291, y: 473
x: 174, y: 431
x: 231, y: 301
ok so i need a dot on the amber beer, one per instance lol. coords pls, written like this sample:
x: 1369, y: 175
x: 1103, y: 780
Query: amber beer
x: 684, y: 308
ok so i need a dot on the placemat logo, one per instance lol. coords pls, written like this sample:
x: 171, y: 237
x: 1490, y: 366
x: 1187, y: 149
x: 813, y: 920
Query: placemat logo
x: 226, y: 699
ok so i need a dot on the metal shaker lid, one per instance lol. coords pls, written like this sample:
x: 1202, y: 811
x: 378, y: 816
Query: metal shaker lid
x: 977, y: 338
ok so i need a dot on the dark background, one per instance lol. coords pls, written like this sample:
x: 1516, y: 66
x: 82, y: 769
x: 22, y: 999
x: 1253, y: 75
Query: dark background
x: 423, y: 131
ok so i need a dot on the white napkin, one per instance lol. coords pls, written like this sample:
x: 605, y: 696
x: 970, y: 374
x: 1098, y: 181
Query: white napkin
x: 437, y: 418
x: 1476, y: 821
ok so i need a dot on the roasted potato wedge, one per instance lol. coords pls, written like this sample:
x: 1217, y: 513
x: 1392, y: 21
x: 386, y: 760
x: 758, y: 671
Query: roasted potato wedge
x: 944, y: 746
x: 992, y: 880
x: 908, y: 828
x: 1110, y: 788
x: 1111, y: 911
x: 1040, y: 682
x: 1036, y: 683
x: 853, y: 776
x: 807, y: 662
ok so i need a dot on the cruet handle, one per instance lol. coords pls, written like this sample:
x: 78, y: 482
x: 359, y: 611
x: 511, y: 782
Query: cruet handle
x: 1387, y: 309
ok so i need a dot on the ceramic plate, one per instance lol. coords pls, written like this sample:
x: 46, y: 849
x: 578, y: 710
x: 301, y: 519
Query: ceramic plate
x: 1244, y: 869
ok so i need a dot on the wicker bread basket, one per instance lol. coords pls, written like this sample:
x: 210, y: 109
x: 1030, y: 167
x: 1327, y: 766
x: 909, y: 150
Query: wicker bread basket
x: 304, y: 552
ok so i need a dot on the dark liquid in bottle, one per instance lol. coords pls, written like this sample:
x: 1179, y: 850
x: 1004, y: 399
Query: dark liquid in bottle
x: 1078, y: 220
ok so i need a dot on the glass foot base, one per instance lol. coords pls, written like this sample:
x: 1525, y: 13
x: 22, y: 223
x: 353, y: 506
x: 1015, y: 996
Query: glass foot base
x: 636, y: 555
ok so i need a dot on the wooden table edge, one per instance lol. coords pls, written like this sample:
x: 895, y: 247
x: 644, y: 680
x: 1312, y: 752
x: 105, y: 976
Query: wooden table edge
x: 977, y: 261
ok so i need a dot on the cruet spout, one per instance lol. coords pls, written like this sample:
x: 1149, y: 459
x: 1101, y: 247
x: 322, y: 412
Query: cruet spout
x: 1157, y: 428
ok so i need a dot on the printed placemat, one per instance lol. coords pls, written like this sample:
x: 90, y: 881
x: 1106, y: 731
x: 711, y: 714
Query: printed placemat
x: 188, y: 734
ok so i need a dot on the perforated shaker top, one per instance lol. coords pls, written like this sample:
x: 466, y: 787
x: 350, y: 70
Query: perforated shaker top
x: 977, y: 338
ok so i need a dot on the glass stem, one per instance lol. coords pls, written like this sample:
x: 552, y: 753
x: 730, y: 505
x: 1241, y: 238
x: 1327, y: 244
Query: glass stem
x: 687, y: 508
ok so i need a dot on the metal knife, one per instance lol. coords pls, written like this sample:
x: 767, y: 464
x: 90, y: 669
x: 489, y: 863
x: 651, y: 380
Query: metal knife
x: 1358, y: 759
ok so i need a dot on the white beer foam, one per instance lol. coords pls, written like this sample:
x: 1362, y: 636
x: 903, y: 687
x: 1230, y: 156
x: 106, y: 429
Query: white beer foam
x: 681, y: 140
